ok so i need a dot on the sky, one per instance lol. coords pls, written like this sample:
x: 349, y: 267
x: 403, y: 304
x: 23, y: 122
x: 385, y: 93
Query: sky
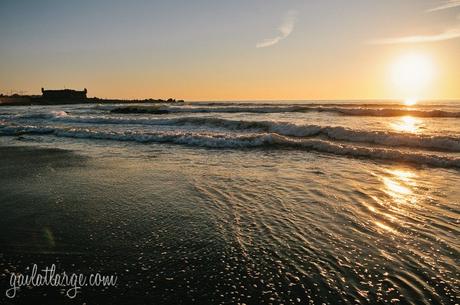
x: 230, y: 50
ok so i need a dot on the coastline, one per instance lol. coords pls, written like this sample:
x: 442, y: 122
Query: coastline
x: 38, y: 100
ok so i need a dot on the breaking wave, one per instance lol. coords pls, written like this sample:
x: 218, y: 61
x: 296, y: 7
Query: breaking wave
x: 42, y: 115
x: 338, y: 133
x: 222, y: 140
x: 346, y: 111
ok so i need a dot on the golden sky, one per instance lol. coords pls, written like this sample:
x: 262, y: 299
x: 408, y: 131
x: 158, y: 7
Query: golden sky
x: 243, y: 50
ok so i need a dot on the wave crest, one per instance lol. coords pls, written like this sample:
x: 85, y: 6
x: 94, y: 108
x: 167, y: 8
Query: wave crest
x: 347, y: 111
x: 338, y: 133
x: 213, y: 140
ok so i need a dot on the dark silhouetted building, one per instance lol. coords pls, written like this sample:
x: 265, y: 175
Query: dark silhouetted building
x: 64, y: 94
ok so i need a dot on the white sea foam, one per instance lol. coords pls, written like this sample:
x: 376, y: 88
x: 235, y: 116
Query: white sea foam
x: 222, y: 140
x: 338, y: 133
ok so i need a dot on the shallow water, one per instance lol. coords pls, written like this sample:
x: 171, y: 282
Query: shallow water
x: 208, y: 208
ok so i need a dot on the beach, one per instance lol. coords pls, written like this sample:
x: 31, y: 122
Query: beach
x: 192, y: 207
x: 57, y: 210
x: 230, y: 152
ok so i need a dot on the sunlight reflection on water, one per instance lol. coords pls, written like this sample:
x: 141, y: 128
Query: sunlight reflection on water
x: 399, y: 186
x: 385, y: 227
x: 407, y: 124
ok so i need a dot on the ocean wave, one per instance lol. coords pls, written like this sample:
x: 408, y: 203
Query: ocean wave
x: 392, y: 112
x: 42, y: 115
x: 219, y: 140
x: 343, y: 103
x: 338, y: 133
x: 346, y: 111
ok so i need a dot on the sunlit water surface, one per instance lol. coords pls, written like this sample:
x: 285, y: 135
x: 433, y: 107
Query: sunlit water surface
x: 184, y: 222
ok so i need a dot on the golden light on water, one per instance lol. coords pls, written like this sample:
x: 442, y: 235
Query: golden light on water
x: 407, y: 124
x: 393, y: 187
x: 399, y: 186
x: 404, y: 175
x: 384, y: 227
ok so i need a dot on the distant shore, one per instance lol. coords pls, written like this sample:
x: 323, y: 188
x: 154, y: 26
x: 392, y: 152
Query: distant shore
x: 28, y: 100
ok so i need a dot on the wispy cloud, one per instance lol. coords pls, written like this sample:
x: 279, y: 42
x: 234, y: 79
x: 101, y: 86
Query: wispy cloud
x: 445, y: 5
x: 446, y: 35
x: 285, y: 30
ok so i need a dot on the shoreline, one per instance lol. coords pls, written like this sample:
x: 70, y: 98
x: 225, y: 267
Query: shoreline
x: 38, y: 100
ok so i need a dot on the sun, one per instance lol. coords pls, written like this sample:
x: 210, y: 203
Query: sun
x: 411, y: 75
x: 410, y: 101
x: 412, y: 71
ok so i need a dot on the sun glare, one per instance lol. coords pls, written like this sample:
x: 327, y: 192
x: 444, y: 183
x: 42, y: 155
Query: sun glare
x: 410, y: 101
x: 411, y: 74
x: 407, y: 124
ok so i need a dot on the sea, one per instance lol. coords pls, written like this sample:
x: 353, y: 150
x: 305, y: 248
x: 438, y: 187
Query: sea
x: 264, y: 202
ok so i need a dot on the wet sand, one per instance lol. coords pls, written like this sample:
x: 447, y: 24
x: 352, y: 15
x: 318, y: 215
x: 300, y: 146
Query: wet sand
x: 73, y: 211
x: 202, y: 226
x: 25, y: 234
